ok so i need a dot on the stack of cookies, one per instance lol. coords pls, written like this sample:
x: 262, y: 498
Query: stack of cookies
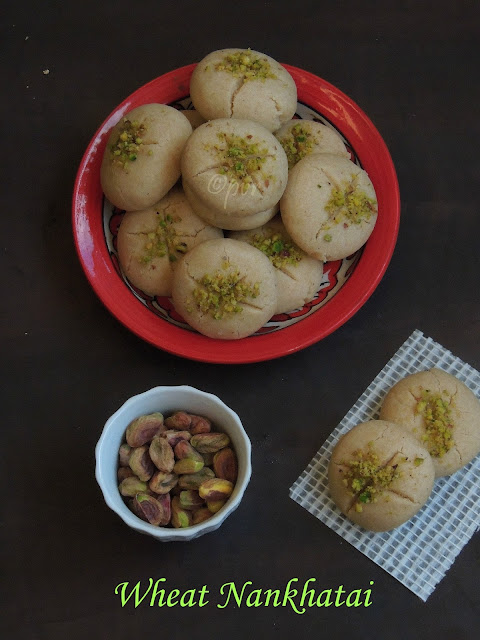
x: 283, y: 190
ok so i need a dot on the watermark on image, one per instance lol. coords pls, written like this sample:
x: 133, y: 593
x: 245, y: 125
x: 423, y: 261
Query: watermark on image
x: 220, y: 183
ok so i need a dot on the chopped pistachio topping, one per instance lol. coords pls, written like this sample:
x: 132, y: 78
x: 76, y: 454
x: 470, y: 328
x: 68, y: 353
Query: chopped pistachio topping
x: 437, y: 416
x: 350, y: 204
x: 366, y: 478
x: 418, y: 461
x: 246, y: 65
x: 163, y: 240
x: 327, y: 237
x: 241, y: 159
x: 125, y: 148
x: 297, y: 144
x: 222, y: 293
x: 276, y: 247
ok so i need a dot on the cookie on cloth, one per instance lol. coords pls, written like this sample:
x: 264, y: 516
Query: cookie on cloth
x: 441, y: 412
x: 380, y: 475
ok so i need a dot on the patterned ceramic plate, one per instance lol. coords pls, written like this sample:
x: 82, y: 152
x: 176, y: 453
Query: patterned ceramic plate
x: 346, y: 284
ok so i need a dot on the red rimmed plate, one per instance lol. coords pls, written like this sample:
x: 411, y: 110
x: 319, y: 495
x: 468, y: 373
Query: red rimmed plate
x: 346, y: 286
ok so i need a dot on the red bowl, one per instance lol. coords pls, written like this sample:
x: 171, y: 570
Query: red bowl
x: 285, y: 335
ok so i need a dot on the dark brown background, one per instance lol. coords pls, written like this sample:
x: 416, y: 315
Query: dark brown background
x: 68, y: 364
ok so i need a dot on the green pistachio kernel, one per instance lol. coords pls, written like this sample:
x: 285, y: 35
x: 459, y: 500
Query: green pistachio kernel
x: 278, y: 249
x: 163, y: 240
x: 327, y: 237
x: 222, y: 293
x: 241, y: 160
x: 366, y: 478
x: 365, y: 497
x: 125, y: 148
x: 297, y: 144
x: 437, y: 416
x: 246, y: 65
x: 349, y: 203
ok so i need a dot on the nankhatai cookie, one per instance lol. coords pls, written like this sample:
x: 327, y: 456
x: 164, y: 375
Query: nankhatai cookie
x: 141, y: 162
x: 380, y: 475
x: 235, y: 168
x: 225, y: 289
x: 441, y: 412
x: 298, y: 276
x: 300, y: 138
x: 329, y: 206
x: 150, y: 242
x: 245, y: 84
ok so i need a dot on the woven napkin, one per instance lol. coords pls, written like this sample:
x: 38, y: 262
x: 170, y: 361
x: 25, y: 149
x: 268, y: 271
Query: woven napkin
x: 420, y: 552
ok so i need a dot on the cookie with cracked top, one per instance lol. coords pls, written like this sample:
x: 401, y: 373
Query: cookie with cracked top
x: 151, y: 242
x: 298, y: 275
x: 379, y: 475
x: 441, y: 412
x: 245, y: 84
x: 141, y: 162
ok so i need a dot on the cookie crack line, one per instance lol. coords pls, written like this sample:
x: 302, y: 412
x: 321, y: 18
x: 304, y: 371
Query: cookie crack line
x: 434, y: 375
x: 400, y: 494
x: 215, y: 166
x: 371, y: 483
x: 397, y: 453
x: 457, y: 450
x: 380, y: 436
x: 330, y: 178
x: 413, y: 396
x: 275, y: 102
x: 250, y: 305
x: 193, y: 234
x: 287, y: 273
x: 257, y: 183
x: 235, y: 94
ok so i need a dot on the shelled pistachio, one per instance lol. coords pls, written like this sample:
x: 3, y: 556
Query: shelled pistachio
x: 176, y: 472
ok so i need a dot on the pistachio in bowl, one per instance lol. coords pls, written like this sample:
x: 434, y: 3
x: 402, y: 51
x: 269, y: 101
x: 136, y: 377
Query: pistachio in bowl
x: 161, y: 458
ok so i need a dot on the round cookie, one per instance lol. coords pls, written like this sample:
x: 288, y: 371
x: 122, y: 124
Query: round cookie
x: 236, y: 168
x: 300, y: 138
x: 380, y: 475
x: 141, y: 162
x: 441, y: 412
x: 225, y: 289
x: 245, y: 84
x: 298, y: 276
x: 150, y: 242
x: 329, y: 206
x: 225, y: 221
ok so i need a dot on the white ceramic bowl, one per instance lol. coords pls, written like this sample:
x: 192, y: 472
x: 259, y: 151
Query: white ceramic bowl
x: 167, y: 400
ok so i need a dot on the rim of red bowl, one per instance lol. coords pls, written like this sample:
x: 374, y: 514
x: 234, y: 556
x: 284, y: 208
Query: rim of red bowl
x: 87, y: 219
